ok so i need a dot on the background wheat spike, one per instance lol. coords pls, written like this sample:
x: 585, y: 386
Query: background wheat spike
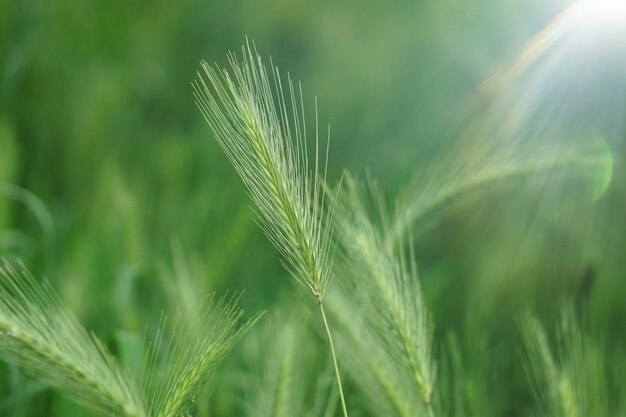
x: 39, y: 335
x: 386, y: 335
x: 435, y: 187
x: 188, y: 353
x: 570, y: 374
x: 42, y: 337
x: 280, y: 352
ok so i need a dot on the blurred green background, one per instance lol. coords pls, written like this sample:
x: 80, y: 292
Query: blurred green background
x: 109, y: 176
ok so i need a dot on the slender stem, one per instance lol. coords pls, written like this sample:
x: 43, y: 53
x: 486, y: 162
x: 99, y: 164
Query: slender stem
x: 332, y: 351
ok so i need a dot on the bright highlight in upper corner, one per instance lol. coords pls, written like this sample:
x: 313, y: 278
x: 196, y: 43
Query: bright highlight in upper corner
x: 602, y: 12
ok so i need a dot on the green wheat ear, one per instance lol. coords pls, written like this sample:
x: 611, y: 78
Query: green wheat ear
x: 42, y: 337
x: 386, y: 336
x: 440, y: 183
x: 261, y: 127
x: 570, y: 375
x: 39, y: 335
x: 263, y: 132
x: 186, y: 353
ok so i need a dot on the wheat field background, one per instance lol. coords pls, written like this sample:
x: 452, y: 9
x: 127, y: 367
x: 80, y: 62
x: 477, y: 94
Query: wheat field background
x: 462, y: 232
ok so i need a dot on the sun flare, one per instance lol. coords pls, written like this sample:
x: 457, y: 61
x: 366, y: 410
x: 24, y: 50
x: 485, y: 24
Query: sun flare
x: 602, y: 13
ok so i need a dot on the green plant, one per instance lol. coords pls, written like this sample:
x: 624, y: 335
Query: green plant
x: 383, y: 334
x: 264, y: 135
x: 570, y: 376
x: 45, y: 339
x: 386, y: 334
x: 281, y: 379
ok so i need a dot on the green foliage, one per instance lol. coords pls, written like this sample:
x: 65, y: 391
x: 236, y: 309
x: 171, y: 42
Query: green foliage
x: 466, y: 386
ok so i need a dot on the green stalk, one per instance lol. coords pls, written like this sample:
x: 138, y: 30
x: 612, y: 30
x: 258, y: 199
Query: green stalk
x: 332, y: 351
